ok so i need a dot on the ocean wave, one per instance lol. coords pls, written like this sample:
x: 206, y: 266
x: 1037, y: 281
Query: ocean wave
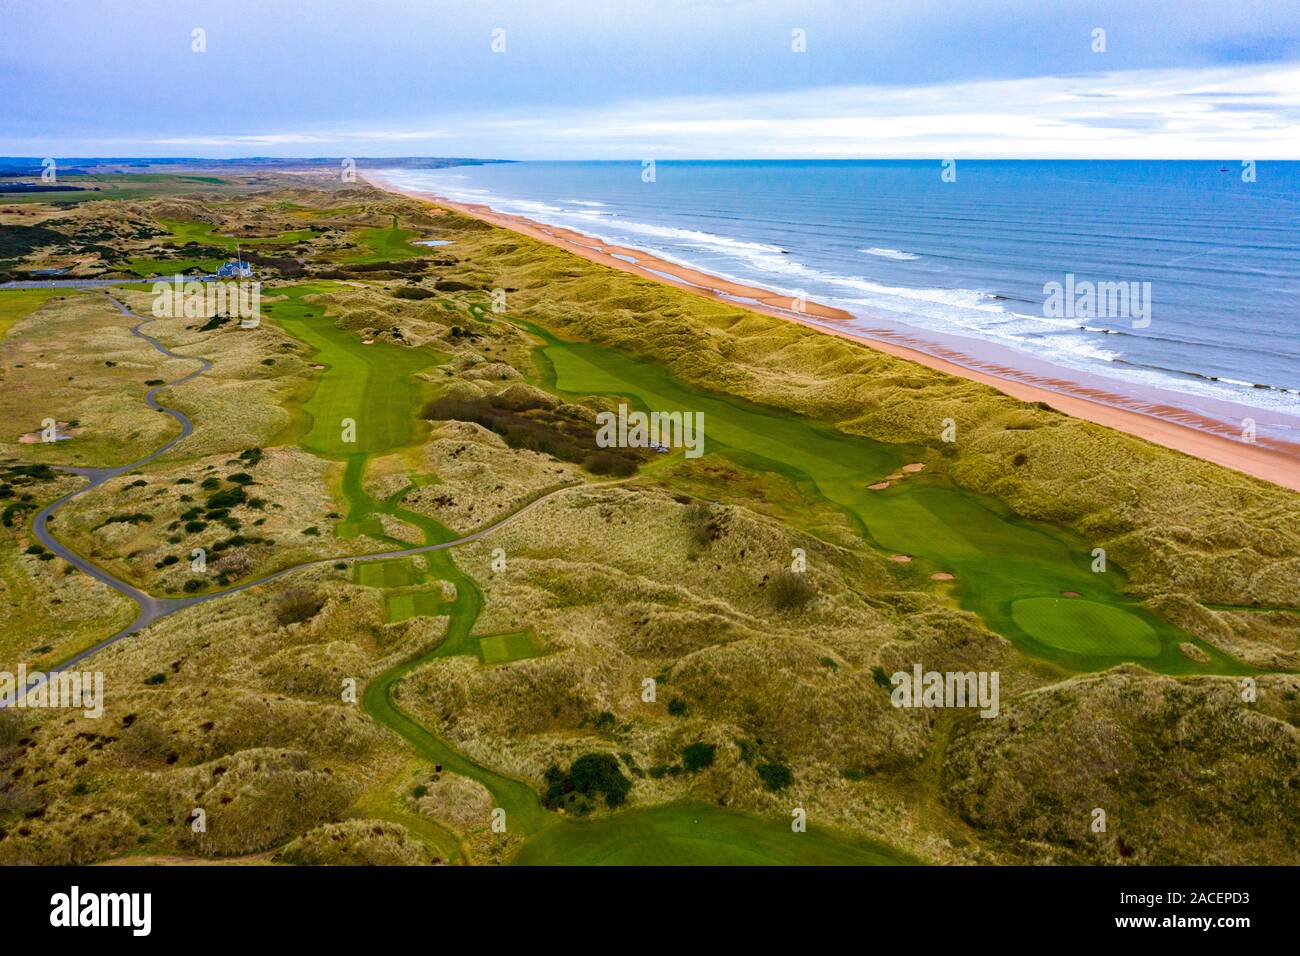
x: 698, y: 238
x: 885, y: 253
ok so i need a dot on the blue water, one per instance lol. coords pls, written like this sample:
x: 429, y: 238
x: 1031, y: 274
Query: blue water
x: 897, y: 246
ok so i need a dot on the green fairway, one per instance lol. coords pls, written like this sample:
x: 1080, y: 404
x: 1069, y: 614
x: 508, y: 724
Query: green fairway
x: 203, y: 233
x: 1085, y: 627
x: 998, y: 557
x: 17, y: 304
x: 372, y: 386
x: 692, y: 834
x: 387, y: 245
x: 171, y: 267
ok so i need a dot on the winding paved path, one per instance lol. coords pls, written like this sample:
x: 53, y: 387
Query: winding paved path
x: 152, y: 608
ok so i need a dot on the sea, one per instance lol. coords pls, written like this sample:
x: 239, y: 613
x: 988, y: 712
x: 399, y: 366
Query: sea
x: 989, y: 260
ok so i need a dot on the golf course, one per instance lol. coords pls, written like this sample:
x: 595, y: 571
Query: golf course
x: 1027, y: 580
x: 372, y: 384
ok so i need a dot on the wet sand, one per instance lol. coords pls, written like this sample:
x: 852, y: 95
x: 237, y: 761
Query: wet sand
x: 1157, y: 422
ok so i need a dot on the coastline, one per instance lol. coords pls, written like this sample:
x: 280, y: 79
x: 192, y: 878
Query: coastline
x: 1158, y: 422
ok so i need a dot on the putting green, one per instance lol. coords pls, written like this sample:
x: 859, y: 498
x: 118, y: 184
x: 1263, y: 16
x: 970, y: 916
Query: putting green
x: 692, y: 834
x: 1085, y: 627
x: 997, y: 556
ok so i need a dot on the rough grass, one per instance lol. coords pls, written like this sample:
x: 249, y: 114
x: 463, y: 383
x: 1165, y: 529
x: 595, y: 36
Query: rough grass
x: 1107, y: 742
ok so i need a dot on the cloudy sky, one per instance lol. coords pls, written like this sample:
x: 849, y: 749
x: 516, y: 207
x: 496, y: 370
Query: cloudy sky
x: 652, y: 78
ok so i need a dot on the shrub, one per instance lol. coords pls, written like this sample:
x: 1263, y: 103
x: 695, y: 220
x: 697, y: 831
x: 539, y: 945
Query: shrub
x: 775, y: 776
x: 228, y: 498
x: 600, y: 773
x: 703, y: 529
x: 698, y: 756
x: 607, y: 463
x: 789, y: 591
x: 296, y: 605
x: 137, y: 518
x: 590, y: 776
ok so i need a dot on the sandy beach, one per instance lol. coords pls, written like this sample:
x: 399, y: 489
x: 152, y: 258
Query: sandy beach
x: 1157, y: 422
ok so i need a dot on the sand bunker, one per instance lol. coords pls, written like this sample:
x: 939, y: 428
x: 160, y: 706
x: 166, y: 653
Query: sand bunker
x: 1071, y: 594
x: 879, y: 486
x: 914, y: 467
x: 942, y: 576
x: 900, y: 558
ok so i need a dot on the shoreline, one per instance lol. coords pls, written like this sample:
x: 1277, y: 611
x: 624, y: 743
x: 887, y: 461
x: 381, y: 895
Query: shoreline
x: 1160, y: 423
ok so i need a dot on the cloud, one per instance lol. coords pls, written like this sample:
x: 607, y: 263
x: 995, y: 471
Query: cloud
x: 1135, y: 114
x: 1218, y: 112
